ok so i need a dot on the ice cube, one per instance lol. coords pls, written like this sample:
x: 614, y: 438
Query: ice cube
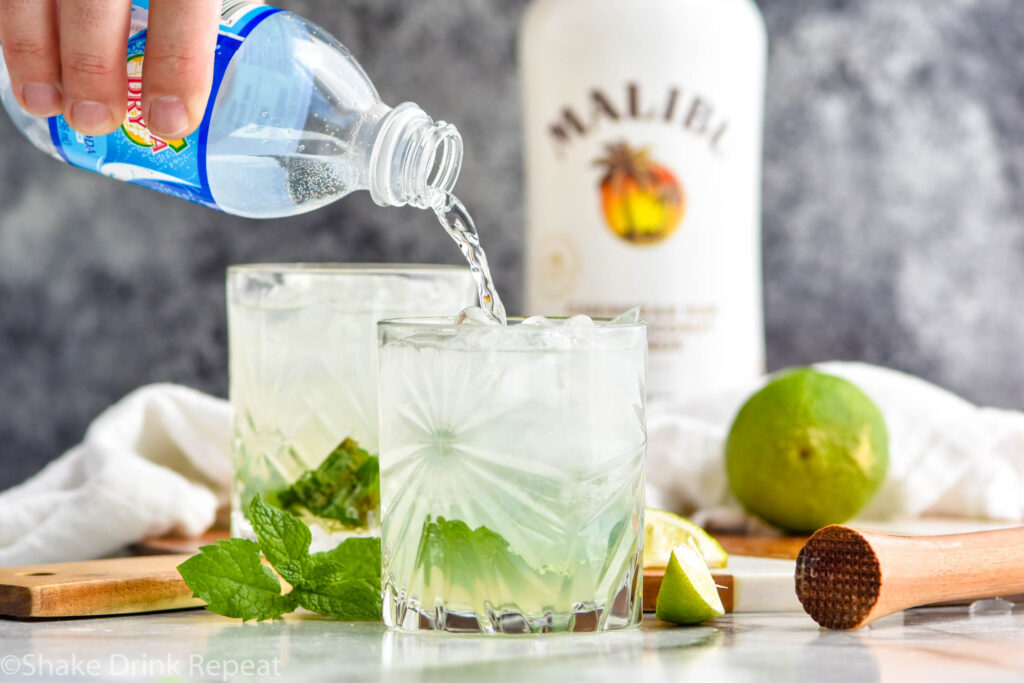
x: 579, y: 321
x: 538, y: 321
x: 630, y: 316
x: 474, y: 315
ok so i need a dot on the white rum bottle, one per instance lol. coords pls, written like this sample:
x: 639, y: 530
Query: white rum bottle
x: 643, y: 176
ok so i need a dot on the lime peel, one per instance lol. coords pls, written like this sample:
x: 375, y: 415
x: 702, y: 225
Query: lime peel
x: 807, y: 450
x: 664, y: 531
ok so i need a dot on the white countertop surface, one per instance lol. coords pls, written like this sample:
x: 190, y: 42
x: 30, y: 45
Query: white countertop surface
x: 931, y: 644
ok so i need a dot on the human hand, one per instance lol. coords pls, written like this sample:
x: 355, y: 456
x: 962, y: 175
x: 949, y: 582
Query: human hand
x: 68, y: 57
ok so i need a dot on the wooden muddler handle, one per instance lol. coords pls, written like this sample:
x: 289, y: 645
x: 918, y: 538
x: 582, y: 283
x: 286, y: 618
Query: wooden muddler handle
x: 847, y: 578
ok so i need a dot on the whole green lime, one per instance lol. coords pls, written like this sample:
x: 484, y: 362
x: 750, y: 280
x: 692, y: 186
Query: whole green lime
x: 807, y: 450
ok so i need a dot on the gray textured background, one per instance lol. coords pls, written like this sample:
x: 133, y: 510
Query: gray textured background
x: 893, y: 217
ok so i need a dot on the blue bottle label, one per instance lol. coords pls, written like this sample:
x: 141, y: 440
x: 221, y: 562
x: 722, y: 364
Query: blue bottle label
x: 132, y: 153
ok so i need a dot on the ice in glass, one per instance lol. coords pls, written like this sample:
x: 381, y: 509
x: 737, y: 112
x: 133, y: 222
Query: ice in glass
x: 512, y: 474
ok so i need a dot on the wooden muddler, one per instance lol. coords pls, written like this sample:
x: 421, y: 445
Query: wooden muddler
x: 847, y: 578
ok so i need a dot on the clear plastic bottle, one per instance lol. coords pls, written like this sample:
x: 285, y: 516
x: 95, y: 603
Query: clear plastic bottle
x: 293, y: 123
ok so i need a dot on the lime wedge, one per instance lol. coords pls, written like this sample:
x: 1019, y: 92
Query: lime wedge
x: 664, y: 531
x: 688, y: 594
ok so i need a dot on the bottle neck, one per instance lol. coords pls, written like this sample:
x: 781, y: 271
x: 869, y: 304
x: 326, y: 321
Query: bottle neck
x: 415, y: 160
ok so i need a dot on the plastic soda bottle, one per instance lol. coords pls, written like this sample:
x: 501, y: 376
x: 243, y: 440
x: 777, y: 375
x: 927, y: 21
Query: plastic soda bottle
x: 293, y: 123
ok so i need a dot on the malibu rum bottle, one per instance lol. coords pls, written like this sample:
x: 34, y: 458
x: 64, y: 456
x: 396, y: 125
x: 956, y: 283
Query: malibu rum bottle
x: 643, y: 176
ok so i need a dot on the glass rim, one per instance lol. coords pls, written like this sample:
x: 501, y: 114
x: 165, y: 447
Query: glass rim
x: 339, y: 268
x: 449, y: 323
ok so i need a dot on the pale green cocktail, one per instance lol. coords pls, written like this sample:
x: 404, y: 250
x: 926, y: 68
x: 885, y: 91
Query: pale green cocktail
x: 512, y: 474
x: 303, y: 371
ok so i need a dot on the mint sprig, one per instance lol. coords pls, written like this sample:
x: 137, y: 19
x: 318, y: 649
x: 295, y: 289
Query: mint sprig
x: 343, y: 583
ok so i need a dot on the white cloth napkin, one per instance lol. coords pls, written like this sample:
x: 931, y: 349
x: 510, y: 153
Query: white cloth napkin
x: 158, y: 462
x: 947, y: 457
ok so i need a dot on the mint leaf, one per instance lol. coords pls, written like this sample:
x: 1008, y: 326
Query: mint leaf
x: 343, y: 583
x: 345, y: 487
x: 231, y: 579
x: 476, y: 558
x: 283, y: 538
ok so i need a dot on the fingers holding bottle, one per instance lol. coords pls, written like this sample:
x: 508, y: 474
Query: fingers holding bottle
x: 93, y: 44
x: 31, y: 47
x: 68, y: 57
x: 178, y: 67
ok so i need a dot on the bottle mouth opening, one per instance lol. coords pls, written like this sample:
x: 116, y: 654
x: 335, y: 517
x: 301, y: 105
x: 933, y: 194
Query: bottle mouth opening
x: 417, y: 160
x: 433, y: 167
x: 445, y: 159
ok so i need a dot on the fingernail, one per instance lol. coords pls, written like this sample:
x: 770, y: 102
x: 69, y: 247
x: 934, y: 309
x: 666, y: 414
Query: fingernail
x: 41, y: 99
x: 167, y: 117
x: 88, y: 117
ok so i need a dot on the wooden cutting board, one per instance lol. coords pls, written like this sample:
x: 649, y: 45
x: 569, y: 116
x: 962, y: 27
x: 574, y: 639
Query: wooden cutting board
x: 165, y: 545
x: 123, y: 585
x: 779, y: 547
x: 151, y: 582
